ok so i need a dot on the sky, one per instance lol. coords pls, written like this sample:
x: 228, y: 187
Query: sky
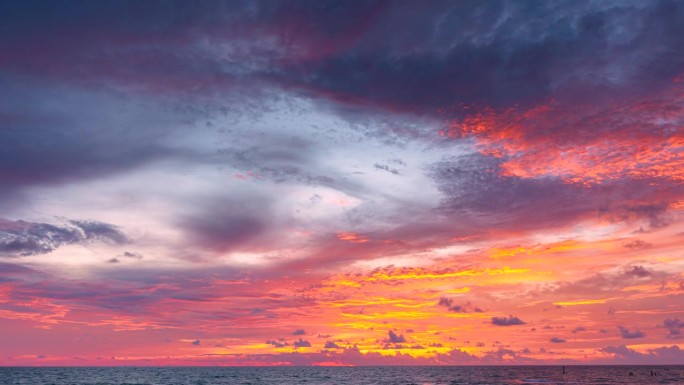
x: 341, y: 183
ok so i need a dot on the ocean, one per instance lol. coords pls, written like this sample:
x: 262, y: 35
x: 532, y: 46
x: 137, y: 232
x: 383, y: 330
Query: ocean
x: 399, y: 375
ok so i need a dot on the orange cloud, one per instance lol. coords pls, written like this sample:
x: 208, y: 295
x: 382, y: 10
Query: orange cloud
x: 351, y: 237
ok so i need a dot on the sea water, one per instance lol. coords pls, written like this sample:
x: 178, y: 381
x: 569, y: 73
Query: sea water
x: 399, y: 375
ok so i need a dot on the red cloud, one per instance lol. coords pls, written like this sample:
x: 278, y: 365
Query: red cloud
x: 638, y: 138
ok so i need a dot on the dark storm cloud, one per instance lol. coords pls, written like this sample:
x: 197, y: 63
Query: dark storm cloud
x: 507, y: 321
x: 123, y: 41
x: 445, y: 53
x: 496, y: 52
x: 19, y: 238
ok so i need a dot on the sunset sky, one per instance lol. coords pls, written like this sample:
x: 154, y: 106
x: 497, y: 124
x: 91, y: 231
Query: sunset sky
x: 341, y: 183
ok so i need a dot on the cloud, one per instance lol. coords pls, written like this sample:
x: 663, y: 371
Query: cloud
x: 638, y: 272
x: 230, y: 116
x: 132, y: 255
x: 302, y: 344
x: 638, y: 244
x: 224, y: 225
x: 394, y: 338
x: 353, y: 356
x: 196, y: 342
x: 504, y: 321
x: 663, y: 355
x: 406, y: 70
x: 299, y: 332
x: 19, y: 238
x: 462, y: 308
x: 674, y: 326
x: 557, y: 340
x: 431, y: 62
x: 627, y: 334
x: 387, y: 168
x: 578, y: 329
x: 277, y: 344
x: 524, y: 140
x: 71, y: 135
x: 472, y: 185
x: 331, y: 345
x: 10, y: 272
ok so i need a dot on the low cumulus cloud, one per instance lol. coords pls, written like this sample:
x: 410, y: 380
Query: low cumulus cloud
x: 395, y: 338
x: 301, y: 343
x: 630, y: 334
x: 507, y: 321
x: 664, y: 355
x: 277, y: 344
x: 387, y: 168
x: 674, y: 326
x: 132, y: 255
x: 459, y: 308
x: 331, y: 345
x: 638, y: 272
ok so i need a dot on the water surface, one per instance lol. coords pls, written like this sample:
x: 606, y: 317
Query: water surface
x: 423, y: 375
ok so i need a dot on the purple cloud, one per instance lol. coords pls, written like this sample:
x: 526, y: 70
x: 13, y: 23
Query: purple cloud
x: 302, y: 344
x: 394, y: 338
x: 629, y: 334
x: 507, y: 321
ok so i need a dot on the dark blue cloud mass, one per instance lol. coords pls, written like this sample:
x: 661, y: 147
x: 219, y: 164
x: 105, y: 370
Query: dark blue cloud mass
x: 19, y: 238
